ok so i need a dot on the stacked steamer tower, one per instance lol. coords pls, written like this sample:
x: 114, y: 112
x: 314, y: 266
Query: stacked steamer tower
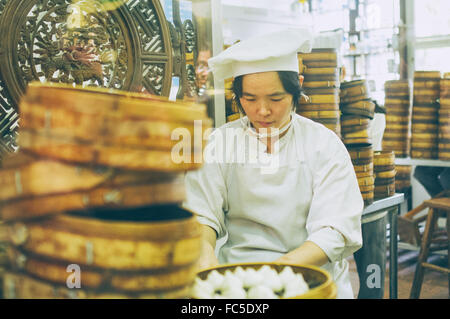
x: 321, y: 85
x: 92, y: 197
x: 425, y: 115
x: 397, y: 136
x: 444, y: 119
x: 357, y: 112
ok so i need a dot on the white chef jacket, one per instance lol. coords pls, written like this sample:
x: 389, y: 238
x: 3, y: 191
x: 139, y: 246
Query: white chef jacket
x: 312, y: 195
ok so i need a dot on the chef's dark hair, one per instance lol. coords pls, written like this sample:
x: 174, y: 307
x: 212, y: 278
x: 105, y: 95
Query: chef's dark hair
x: 289, y: 80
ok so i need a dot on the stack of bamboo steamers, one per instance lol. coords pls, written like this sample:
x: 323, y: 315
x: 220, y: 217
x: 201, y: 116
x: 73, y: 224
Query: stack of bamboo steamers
x: 384, y: 172
x: 425, y: 115
x: 396, y: 136
x: 91, y: 199
x: 444, y: 119
x: 357, y: 112
x: 321, y: 84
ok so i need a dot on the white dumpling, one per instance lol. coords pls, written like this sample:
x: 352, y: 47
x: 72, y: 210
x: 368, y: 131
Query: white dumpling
x: 202, y: 289
x: 286, y: 275
x: 234, y: 292
x: 231, y: 281
x: 240, y: 273
x: 215, y: 279
x: 261, y: 292
x: 252, y: 278
x: 271, y: 278
x: 297, y: 286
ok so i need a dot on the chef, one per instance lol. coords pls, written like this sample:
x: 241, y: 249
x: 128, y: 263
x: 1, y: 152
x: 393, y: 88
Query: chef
x: 276, y: 187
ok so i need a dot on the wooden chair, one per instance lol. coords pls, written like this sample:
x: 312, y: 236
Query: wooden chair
x: 437, y: 207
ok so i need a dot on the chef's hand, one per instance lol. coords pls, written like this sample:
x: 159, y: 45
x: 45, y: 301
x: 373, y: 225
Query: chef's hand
x: 207, y: 256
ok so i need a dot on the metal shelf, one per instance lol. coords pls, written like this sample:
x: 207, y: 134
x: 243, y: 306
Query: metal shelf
x: 421, y: 162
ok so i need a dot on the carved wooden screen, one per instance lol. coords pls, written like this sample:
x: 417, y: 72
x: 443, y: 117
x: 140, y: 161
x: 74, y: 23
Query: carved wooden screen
x: 78, y: 41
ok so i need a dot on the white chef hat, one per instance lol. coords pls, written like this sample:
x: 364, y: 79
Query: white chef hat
x: 271, y: 52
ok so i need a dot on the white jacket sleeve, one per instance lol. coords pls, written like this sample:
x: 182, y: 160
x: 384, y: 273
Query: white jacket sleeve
x: 334, y: 219
x: 206, y: 196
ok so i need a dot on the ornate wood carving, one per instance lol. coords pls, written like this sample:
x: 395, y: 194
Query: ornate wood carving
x: 79, y: 41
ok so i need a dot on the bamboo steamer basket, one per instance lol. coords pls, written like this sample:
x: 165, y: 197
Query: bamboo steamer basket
x: 320, y: 99
x: 354, y: 89
x: 321, y: 71
x: 444, y: 102
x: 384, y: 168
x: 366, y: 181
x: 363, y: 108
x: 425, y: 75
x: 402, y: 186
x: 397, y: 85
x: 384, y: 181
x: 444, y: 88
x: 132, y: 240
x: 23, y: 177
x: 71, y: 150
x: 427, y: 92
x: 363, y: 174
x: 383, y: 191
x: 354, y: 121
x: 112, y: 197
x: 426, y: 127
x: 430, y: 84
x: 403, y: 120
x: 108, y: 129
x: 426, y: 100
x: 319, y: 281
x: 364, y: 169
x: 322, y: 77
x: 368, y: 197
x: 395, y: 126
x: 107, y: 101
x: 361, y: 154
x: 383, y: 158
x: 444, y: 155
x: 388, y: 174
x: 320, y: 58
x: 397, y: 102
x: 317, y: 107
x: 358, y: 137
x: 22, y: 286
x: 403, y: 171
x: 93, y: 278
x: 353, y: 129
x: 402, y: 95
x: 320, y: 114
x: 424, y: 153
x: 320, y: 84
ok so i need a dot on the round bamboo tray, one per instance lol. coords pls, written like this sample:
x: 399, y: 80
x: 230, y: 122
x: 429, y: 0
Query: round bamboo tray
x: 364, y: 168
x: 317, y: 107
x: 404, y: 120
x: 364, y: 108
x: 156, y: 239
x: 427, y: 154
x: 354, y: 121
x: 22, y: 286
x: 427, y: 75
x: 39, y: 177
x: 73, y: 151
x: 112, y: 198
x: 320, y: 114
x: 428, y: 84
x: 354, y: 89
x: 397, y: 102
x: 54, y: 271
x: 320, y: 99
x: 361, y: 154
x: 322, y: 78
x: 107, y: 102
x: 321, y: 71
x: 357, y: 137
x: 383, y: 158
x: 384, y: 174
x: 108, y: 129
x: 319, y: 281
x: 397, y: 85
x: 384, y: 191
x: 321, y: 84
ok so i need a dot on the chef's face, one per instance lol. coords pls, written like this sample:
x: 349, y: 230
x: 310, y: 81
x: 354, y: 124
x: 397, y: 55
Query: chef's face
x: 265, y: 101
